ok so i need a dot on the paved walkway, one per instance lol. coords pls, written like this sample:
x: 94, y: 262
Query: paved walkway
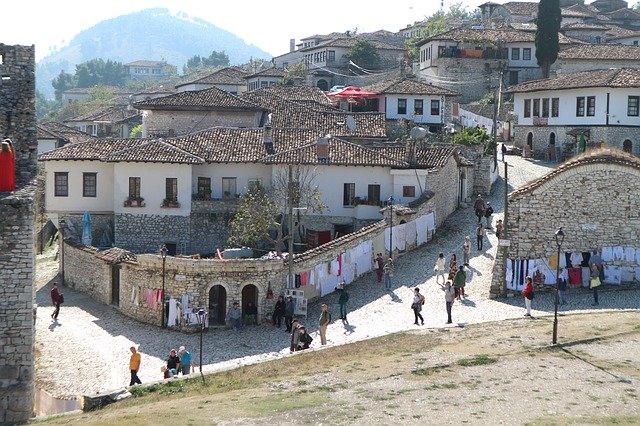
x: 87, y: 350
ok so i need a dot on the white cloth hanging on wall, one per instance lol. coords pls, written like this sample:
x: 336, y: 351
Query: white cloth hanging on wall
x: 575, y: 259
x: 399, y: 238
x: 638, y: 273
x: 172, y: 312
x: 421, y: 230
x: 627, y: 273
x: 431, y: 222
x: 618, y: 253
x: 586, y: 276
x: 630, y: 254
x: 410, y: 233
x: 545, y: 269
x: 612, y: 274
x: 387, y: 239
x: 607, y: 254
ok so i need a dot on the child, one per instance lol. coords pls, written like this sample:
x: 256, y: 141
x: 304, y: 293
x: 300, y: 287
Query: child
x: 167, y: 373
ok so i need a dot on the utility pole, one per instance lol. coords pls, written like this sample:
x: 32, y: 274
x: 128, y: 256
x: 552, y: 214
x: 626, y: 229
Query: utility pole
x: 290, y: 198
x: 497, y: 100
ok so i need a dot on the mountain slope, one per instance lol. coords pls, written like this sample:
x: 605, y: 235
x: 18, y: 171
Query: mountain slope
x: 151, y: 34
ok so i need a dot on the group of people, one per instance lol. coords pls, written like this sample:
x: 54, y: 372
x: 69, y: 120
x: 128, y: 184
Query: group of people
x: 235, y: 318
x: 178, y: 362
x: 384, y: 270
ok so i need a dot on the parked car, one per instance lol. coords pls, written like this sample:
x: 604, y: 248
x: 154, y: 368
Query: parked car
x: 336, y: 88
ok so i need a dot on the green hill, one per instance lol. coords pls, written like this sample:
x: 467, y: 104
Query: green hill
x: 151, y: 34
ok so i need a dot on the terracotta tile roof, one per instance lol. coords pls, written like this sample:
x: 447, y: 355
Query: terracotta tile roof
x: 94, y: 149
x: 578, y: 26
x: 467, y: 34
x: 524, y: 26
x: 341, y: 153
x: 528, y: 8
x: 426, y: 157
x: 228, y: 75
x: 624, y: 13
x: 289, y: 114
x: 596, y: 52
x: 226, y: 145
x: 153, y: 151
x: 348, y: 42
x: 112, y: 114
x: 615, y: 32
x: 297, y: 93
x: 112, y: 89
x: 568, y: 12
x: 600, y: 78
x: 207, y: 99
x: 116, y: 255
x: 595, y: 156
x: 269, y: 72
x: 409, y: 86
x: 60, y: 131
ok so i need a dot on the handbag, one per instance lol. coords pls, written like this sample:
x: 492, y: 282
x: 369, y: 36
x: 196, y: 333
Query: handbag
x: 595, y: 282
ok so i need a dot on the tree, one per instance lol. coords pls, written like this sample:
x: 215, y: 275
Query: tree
x: 97, y: 71
x: 64, y: 81
x: 364, y: 54
x: 215, y: 59
x: 547, y: 39
x: 262, y: 214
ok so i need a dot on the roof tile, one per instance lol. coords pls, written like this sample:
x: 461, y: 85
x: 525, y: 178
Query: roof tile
x: 212, y: 98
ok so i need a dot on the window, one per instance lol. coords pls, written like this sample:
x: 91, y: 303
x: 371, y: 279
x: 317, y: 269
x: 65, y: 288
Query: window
x: 408, y: 191
x: 526, y: 54
x: 632, y: 106
x: 402, y: 106
x: 228, y: 187
x: 435, y: 107
x: 418, y: 107
x: 61, y: 184
x: 591, y: 106
x: 204, y: 187
x: 171, y: 189
x: 89, y: 181
x: 536, y: 107
x: 513, y: 77
x: 348, y: 194
x: 580, y: 106
x: 555, y: 107
x: 134, y: 188
x: 527, y: 107
x: 545, y: 107
x: 515, y: 54
x: 373, y: 193
x: 331, y: 55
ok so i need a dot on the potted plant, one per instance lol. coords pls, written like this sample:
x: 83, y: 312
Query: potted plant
x: 169, y: 202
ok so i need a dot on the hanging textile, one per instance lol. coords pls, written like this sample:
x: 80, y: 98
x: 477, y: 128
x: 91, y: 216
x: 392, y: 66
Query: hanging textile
x: 612, y: 274
x: 576, y: 259
x: 630, y: 254
x: 339, y: 265
x: 618, y: 253
x: 627, y: 273
x: 399, y: 237
x: 387, y: 239
x: 304, y: 278
x: 586, y: 276
x: 575, y: 276
x: 171, y: 322
x: 410, y: 233
x: 421, y: 230
x: 607, y: 254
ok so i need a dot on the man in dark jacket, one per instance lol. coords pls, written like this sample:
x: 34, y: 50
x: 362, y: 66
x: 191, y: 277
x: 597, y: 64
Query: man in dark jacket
x: 55, y: 301
x: 479, y: 207
x: 279, y: 311
x: 488, y: 212
x: 289, y: 309
x: 342, y: 300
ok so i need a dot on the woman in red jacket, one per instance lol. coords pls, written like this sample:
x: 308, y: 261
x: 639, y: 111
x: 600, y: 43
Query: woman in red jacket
x: 527, y: 293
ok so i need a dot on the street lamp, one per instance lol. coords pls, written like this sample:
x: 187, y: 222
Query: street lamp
x: 163, y: 254
x: 201, y: 318
x: 390, y: 200
x: 559, y: 240
x: 63, y: 225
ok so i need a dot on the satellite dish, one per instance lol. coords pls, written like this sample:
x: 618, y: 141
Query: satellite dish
x: 351, y: 123
x: 418, y: 133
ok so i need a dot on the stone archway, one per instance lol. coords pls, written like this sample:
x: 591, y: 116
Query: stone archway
x: 530, y: 140
x: 627, y: 146
x: 322, y: 84
x: 217, y: 305
x: 249, y: 294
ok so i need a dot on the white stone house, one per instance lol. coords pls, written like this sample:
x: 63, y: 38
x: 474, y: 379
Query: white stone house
x: 146, y: 70
x: 52, y: 135
x: 265, y: 78
x: 415, y: 101
x: 114, y: 121
x: 604, y: 105
x: 229, y: 79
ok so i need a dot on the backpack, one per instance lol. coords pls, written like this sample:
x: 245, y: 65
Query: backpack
x: 422, y: 299
x: 60, y: 298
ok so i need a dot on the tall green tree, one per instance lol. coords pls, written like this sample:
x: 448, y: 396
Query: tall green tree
x: 215, y: 59
x: 547, y: 39
x: 64, y: 81
x: 364, y: 54
x: 97, y: 71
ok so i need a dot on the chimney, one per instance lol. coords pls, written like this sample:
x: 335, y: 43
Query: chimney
x: 268, y: 140
x: 322, y: 149
x: 292, y: 45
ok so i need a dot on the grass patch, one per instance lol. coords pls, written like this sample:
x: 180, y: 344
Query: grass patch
x: 602, y: 421
x: 427, y: 371
x: 477, y: 360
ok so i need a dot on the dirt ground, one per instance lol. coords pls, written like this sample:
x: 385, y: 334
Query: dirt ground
x: 494, y: 373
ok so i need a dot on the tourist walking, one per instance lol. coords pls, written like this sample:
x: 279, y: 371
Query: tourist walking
x: 134, y: 366
x: 459, y: 282
x: 342, y: 300
x: 416, y: 305
x: 323, y: 322
x: 499, y: 228
x: 480, y: 233
x: 527, y: 294
x: 504, y: 151
x: 295, y: 335
x: 595, y: 282
x: 479, y: 207
x: 289, y: 310
x: 55, y: 301
x: 439, y: 268
x: 279, y: 311
x: 453, y: 267
x: 379, y: 267
x: 185, y: 361
x: 449, y: 297
x: 466, y: 250
x: 488, y: 212
x: 388, y: 274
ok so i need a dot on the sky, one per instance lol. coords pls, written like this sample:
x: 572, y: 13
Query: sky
x: 51, y: 24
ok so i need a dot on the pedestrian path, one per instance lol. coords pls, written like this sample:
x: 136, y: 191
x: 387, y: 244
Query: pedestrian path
x: 100, y: 337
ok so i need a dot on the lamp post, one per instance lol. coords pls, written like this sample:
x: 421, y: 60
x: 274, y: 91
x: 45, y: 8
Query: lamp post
x: 390, y: 200
x: 559, y: 240
x: 63, y: 224
x: 201, y: 318
x: 163, y: 254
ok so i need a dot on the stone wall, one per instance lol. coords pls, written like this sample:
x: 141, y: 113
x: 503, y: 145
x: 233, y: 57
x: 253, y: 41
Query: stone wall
x: 481, y: 179
x: 84, y: 272
x: 146, y: 233
x: 100, y: 224
x: 613, y: 136
x: 17, y: 239
x: 158, y: 123
x: 444, y: 183
x: 594, y: 198
x: 485, y: 74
